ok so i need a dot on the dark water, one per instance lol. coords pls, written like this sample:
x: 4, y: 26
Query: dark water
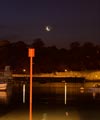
x: 80, y: 99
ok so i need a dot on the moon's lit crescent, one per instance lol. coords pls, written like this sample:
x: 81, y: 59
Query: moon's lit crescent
x: 48, y: 28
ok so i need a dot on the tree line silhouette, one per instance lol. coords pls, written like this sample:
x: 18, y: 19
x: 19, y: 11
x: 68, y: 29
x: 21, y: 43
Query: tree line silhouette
x: 49, y: 58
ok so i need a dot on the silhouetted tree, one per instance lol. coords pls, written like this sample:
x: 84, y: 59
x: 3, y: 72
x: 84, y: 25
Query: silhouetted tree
x: 74, y: 45
x: 38, y: 43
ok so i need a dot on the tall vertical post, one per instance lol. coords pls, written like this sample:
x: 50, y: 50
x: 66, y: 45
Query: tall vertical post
x: 31, y: 54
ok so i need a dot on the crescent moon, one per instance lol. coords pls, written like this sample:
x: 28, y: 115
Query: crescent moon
x: 48, y: 28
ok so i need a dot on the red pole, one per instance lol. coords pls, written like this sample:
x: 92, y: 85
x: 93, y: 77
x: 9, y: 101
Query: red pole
x: 31, y: 55
x: 30, y: 88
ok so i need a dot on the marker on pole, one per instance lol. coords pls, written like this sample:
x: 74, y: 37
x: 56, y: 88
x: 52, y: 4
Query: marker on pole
x: 31, y: 54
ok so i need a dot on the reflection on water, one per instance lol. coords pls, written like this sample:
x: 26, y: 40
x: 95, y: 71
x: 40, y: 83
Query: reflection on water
x: 55, y: 100
x: 47, y: 93
x: 5, y: 96
x: 23, y: 93
x: 95, y: 92
x: 65, y: 93
x: 81, y: 89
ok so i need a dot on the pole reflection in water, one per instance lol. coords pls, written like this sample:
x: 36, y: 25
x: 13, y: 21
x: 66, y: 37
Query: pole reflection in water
x: 23, y: 93
x: 65, y: 92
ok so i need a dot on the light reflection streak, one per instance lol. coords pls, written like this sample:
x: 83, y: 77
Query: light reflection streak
x: 44, y: 116
x: 95, y: 91
x: 23, y: 93
x: 3, y: 97
x: 81, y: 89
x: 94, y: 94
x: 65, y: 92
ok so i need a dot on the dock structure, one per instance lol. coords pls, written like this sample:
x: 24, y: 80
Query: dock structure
x: 88, y: 75
x: 43, y: 78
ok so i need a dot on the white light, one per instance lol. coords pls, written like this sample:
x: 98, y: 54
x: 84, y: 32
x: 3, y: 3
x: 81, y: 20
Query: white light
x: 24, y: 70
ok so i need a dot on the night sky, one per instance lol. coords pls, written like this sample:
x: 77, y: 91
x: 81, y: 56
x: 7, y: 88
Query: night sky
x: 71, y: 20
